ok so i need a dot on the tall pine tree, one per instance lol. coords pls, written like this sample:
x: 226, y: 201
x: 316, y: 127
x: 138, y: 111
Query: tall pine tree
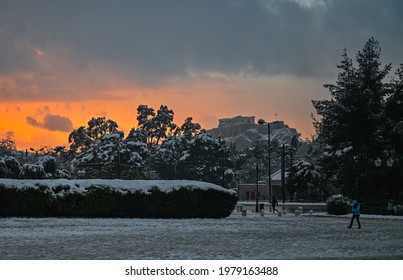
x: 352, y: 122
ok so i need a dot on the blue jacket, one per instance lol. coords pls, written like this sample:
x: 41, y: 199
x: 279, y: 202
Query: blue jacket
x: 356, y: 209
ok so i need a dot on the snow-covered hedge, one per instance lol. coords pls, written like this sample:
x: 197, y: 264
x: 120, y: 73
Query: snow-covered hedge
x: 114, y: 198
x: 338, y: 205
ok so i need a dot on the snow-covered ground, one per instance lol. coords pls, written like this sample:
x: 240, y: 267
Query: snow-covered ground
x: 317, y: 236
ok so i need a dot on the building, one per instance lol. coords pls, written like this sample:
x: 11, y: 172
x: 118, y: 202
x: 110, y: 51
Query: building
x: 242, y: 132
x: 247, y: 192
x: 236, y: 121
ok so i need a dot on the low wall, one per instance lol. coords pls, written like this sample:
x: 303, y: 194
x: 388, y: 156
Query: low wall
x: 289, y: 206
x: 374, y: 209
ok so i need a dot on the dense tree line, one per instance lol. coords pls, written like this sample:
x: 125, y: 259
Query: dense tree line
x: 156, y: 148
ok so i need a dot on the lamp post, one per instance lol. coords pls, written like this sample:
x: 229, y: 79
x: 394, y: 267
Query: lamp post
x: 389, y: 163
x: 261, y: 122
x: 223, y: 168
x: 283, y: 172
x: 257, y: 187
x: 119, y: 148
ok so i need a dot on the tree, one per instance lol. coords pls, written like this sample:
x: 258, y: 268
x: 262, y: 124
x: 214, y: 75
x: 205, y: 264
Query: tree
x: 111, y: 157
x: 155, y: 126
x: 354, y: 117
x: 163, y: 123
x: 394, y: 113
x: 393, y: 134
x: 170, y: 156
x: 7, y: 144
x: 144, y: 120
x: 189, y: 128
x: 84, y: 138
x: 199, y: 157
x: 307, y: 178
x: 354, y: 112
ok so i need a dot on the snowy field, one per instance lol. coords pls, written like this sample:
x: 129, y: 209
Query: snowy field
x: 236, y: 237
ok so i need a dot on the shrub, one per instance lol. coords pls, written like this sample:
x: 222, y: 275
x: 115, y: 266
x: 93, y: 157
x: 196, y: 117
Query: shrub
x: 48, y: 162
x: 338, y: 205
x: 104, y: 201
x: 9, y: 167
x: 33, y: 171
x: 13, y: 166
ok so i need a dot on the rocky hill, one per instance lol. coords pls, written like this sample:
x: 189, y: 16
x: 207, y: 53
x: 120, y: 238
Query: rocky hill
x: 243, y: 132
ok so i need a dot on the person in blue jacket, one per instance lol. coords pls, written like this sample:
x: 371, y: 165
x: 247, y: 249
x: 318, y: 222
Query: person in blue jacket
x: 356, y: 214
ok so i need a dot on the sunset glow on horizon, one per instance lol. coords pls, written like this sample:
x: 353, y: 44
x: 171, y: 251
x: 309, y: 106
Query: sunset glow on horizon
x: 62, y: 62
x: 27, y: 121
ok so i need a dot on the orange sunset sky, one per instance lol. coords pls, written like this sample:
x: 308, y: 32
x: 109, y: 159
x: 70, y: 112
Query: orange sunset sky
x: 63, y: 62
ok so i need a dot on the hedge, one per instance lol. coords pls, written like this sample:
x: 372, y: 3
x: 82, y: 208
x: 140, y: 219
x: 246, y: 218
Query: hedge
x: 104, y: 201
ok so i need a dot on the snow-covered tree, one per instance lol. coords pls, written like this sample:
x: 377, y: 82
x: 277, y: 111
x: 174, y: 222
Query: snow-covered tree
x: 198, y: 157
x: 306, y: 179
x: 155, y: 126
x: 189, y: 128
x: 84, y: 138
x: 394, y: 114
x: 170, y: 155
x: 7, y: 145
x: 111, y: 157
x: 163, y: 123
x: 355, y: 117
x: 353, y: 114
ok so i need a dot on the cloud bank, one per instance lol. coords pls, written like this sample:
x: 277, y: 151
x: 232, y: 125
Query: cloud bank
x: 52, y: 123
x: 59, y: 50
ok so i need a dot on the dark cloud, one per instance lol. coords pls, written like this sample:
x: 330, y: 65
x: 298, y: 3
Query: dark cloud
x: 33, y: 122
x: 52, y: 122
x: 149, y: 41
x: 10, y: 134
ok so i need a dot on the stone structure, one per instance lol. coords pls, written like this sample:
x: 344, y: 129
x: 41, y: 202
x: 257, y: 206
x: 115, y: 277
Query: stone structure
x: 227, y: 122
x: 243, y: 132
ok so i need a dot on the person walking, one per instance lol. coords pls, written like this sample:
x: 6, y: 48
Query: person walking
x: 356, y: 214
x: 274, y: 203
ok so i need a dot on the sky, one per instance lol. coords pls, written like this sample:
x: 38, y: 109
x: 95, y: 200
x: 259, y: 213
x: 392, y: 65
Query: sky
x: 64, y: 62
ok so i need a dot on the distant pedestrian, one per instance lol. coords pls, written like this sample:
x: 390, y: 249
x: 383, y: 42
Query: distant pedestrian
x: 391, y: 206
x: 274, y: 203
x: 356, y: 214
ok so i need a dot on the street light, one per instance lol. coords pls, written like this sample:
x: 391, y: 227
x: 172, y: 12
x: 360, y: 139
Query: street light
x: 261, y: 122
x: 283, y: 172
x: 389, y: 163
x: 257, y: 187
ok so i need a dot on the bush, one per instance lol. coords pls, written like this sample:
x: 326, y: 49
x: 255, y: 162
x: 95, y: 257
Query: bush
x: 48, y: 163
x: 9, y: 167
x: 32, y: 171
x: 103, y: 201
x: 338, y: 205
x: 13, y: 166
